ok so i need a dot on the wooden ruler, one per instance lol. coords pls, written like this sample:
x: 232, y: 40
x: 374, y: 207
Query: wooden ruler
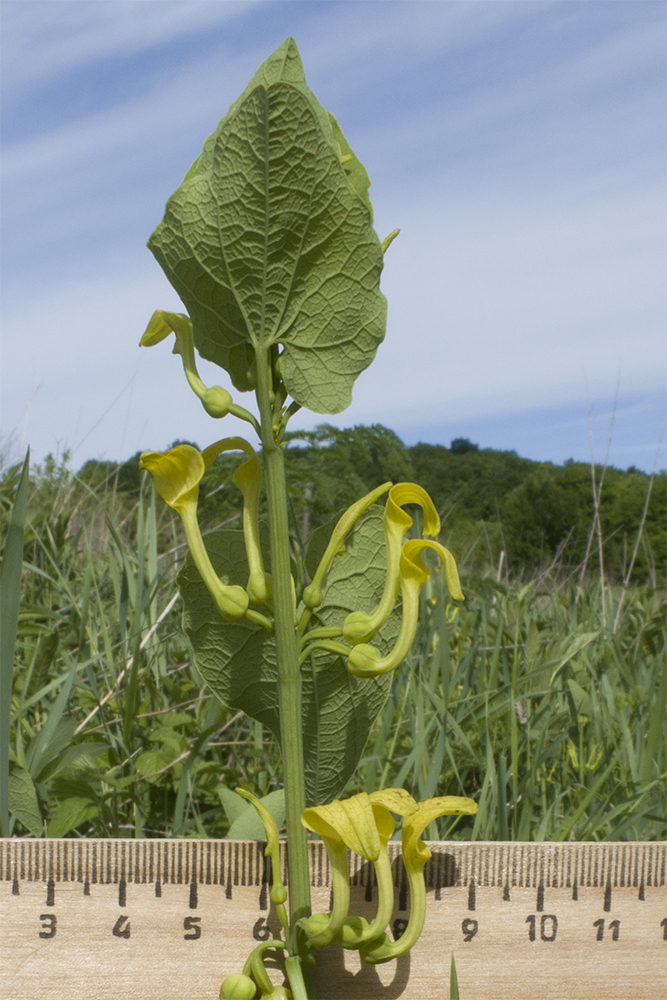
x: 169, y: 919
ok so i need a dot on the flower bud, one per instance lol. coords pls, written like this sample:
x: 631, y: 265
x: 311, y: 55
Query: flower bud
x: 216, y: 401
x: 238, y: 987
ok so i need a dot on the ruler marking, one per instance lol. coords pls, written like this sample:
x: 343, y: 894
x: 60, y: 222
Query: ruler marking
x: 50, y: 893
x: 607, y: 898
x: 539, y: 905
x: 543, y: 866
x: 506, y: 893
x: 472, y: 901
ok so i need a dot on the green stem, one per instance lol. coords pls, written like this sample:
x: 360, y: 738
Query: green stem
x: 289, y: 674
x: 294, y: 972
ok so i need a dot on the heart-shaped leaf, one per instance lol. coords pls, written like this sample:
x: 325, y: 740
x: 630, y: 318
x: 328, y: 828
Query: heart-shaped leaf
x: 238, y: 659
x: 269, y: 240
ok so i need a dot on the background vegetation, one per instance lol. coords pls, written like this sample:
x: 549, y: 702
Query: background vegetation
x: 543, y: 697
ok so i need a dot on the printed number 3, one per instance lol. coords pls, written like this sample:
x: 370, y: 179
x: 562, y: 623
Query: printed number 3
x: 48, y: 925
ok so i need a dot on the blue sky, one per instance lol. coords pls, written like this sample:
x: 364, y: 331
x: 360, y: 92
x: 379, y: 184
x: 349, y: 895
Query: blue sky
x: 519, y: 145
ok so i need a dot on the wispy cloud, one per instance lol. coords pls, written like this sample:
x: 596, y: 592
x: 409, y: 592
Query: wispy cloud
x: 519, y: 146
x: 54, y: 37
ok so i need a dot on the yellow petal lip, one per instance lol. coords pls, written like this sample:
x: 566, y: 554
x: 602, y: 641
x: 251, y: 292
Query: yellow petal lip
x: 176, y: 474
x: 161, y: 324
x: 396, y: 800
x: 415, y: 851
x: 353, y: 822
x: 413, y: 567
x: 402, y: 493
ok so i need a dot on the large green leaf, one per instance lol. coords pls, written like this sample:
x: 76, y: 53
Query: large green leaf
x: 238, y: 659
x: 269, y: 240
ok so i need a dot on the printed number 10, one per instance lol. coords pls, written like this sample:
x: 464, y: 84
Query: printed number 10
x: 548, y: 927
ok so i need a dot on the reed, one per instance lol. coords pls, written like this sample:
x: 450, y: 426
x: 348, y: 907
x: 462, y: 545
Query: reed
x: 522, y: 695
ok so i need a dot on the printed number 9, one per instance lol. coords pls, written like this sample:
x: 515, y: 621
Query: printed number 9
x: 469, y: 928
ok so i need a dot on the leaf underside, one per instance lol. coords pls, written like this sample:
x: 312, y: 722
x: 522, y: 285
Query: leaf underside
x: 269, y: 240
x: 238, y: 659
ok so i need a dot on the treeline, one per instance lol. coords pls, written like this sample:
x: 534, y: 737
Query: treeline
x: 494, y: 502
x: 497, y: 509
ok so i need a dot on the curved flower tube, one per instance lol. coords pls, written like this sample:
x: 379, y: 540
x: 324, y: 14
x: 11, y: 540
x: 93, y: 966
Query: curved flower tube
x: 176, y: 475
x: 366, y: 661
x: 216, y: 401
x: 356, y: 931
x: 278, y: 893
x: 363, y: 827
x: 248, y: 478
x: 415, y: 856
x: 312, y: 595
x: 358, y: 626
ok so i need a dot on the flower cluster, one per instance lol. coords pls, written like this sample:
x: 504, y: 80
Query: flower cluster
x: 364, y: 824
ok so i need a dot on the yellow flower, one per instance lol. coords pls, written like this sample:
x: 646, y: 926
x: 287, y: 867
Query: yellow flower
x: 364, y: 827
x: 248, y: 478
x: 365, y: 660
x: 360, y: 627
x: 176, y: 475
x: 312, y: 595
x: 415, y: 856
x: 216, y: 400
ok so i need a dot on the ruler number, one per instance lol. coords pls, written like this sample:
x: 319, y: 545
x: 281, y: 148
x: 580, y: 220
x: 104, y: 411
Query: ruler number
x: 663, y: 924
x: 548, y: 927
x: 399, y: 927
x: 469, y: 928
x: 614, y: 927
x: 48, y: 925
x: 119, y: 930
x: 261, y: 930
x: 192, y: 924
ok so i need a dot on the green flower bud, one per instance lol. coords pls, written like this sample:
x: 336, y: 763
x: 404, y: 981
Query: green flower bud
x: 313, y: 596
x: 216, y: 401
x: 238, y: 987
x: 279, y: 993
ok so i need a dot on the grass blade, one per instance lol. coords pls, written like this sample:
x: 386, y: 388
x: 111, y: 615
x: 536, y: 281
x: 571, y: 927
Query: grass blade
x: 10, y: 596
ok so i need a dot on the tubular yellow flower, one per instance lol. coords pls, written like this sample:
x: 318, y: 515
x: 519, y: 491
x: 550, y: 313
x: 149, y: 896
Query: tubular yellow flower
x: 358, y: 626
x: 352, y: 823
x: 216, y: 400
x: 415, y: 856
x: 364, y: 660
x: 312, y: 595
x: 356, y: 931
x: 278, y: 892
x: 248, y: 478
x: 176, y: 475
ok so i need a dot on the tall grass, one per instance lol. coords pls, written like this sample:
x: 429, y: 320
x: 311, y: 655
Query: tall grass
x: 521, y: 697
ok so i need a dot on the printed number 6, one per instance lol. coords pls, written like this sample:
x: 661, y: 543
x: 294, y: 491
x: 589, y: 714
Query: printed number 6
x: 261, y: 931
